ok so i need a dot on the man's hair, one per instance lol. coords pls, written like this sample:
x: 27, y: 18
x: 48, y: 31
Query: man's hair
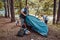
x: 41, y: 15
x: 27, y: 6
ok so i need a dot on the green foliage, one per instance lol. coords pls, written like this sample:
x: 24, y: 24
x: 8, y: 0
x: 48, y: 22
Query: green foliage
x: 1, y: 5
x: 48, y: 6
x: 16, y: 4
x: 45, y: 6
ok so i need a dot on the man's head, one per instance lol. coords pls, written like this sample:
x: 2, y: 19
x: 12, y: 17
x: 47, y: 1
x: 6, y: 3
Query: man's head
x: 41, y: 15
x: 27, y: 6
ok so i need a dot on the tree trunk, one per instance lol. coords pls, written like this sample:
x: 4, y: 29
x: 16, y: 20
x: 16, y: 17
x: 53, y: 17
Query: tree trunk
x: 26, y: 2
x: 12, y: 10
x: 5, y: 6
x: 58, y: 14
x: 54, y: 12
x: 8, y: 8
x: 20, y: 5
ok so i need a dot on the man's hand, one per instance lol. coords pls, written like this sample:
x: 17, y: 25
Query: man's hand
x: 23, y: 13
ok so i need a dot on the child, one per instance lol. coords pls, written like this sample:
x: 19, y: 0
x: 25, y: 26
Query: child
x: 45, y: 18
x: 41, y: 18
x: 17, y: 22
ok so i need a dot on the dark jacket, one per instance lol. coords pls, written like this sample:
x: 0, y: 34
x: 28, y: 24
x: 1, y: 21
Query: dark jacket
x: 25, y: 12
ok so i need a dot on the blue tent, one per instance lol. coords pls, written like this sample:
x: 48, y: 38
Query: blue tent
x: 37, y: 25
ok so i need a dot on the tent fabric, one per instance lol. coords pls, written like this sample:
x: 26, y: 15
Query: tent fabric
x: 37, y: 25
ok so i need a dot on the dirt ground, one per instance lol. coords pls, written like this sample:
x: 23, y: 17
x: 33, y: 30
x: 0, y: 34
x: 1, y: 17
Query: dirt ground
x: 8, y: 31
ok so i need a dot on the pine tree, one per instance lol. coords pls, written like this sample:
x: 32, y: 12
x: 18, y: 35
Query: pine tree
x: 58, y: 14
x: 12, y: 10
x: 54, y: 12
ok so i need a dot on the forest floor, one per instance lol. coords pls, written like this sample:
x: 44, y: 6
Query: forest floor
x: 8, y: 31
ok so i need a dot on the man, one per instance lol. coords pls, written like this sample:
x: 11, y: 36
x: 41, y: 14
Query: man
x: 23, y: 30
x: 24, y: 13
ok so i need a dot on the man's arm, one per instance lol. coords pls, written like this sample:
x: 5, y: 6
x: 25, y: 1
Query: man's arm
x: 23, y: 13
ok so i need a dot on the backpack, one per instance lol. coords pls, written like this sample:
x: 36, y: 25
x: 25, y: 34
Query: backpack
x: 20, y: 32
